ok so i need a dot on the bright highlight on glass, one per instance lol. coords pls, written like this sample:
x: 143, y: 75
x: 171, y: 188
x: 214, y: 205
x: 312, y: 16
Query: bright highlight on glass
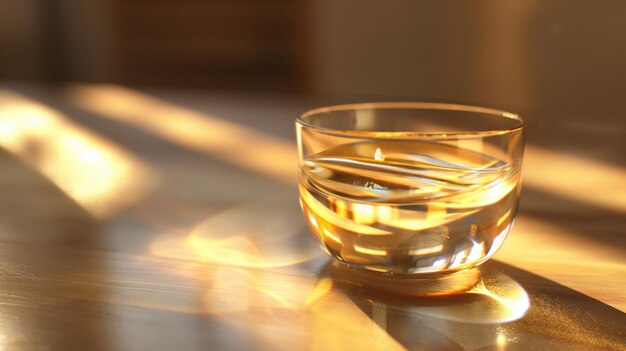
x: 410, y: 188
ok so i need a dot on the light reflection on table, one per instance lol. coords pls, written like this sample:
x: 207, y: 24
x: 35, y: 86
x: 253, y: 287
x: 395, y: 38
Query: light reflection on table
x: 242, y: 286
x: 128, y: 226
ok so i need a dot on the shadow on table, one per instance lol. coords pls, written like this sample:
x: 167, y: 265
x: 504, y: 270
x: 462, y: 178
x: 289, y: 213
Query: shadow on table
x: 603, y: 225
x: 508, y: 308
x: 130, y: 118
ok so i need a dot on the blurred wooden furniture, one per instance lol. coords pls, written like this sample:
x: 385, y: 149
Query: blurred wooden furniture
x: 217, y: 43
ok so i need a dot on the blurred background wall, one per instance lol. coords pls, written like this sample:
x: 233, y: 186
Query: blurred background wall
x: 514, y: 53
x: 554, y: 59
x: 216, y: 43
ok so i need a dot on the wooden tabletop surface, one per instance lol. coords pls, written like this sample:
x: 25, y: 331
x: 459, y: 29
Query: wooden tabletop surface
x: 136, y: 219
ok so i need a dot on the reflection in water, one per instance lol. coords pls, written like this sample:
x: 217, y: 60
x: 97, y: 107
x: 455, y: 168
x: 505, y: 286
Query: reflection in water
x: 228, y: 141
x: 98, y: 175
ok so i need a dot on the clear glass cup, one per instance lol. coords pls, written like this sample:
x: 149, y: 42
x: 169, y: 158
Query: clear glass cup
x: 410, y: 188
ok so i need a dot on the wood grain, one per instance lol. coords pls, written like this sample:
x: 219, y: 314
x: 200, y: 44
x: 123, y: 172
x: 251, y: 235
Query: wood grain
x: 136, y: 277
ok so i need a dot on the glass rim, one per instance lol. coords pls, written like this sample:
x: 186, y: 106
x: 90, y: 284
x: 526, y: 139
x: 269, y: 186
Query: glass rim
x: 416, y: 106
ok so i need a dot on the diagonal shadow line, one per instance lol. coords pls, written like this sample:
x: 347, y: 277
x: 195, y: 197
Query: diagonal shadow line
x: 556, y: 313
x: 542, y: 133
x: 548, y: 288
x: 274, y: 114
x: 149, y: 144
x: 593, y: 215
x: 46, y: 239
x: 588, y: 221
x: 142, y: 143
x: 35, y: 210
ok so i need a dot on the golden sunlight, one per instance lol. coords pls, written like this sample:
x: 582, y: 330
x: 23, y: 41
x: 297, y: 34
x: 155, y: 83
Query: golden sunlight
x: 320, y: 317
x: 569, y: 175
x: 253, y: 150
x: 234, y: 256
x: 538, y: 247
x: 94, y: 172
x: 227, y: 141
x: 253, y: 236
x: 501, y: 299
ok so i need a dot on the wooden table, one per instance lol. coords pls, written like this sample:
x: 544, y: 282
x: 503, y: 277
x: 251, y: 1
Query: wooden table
x: 160, y: 220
